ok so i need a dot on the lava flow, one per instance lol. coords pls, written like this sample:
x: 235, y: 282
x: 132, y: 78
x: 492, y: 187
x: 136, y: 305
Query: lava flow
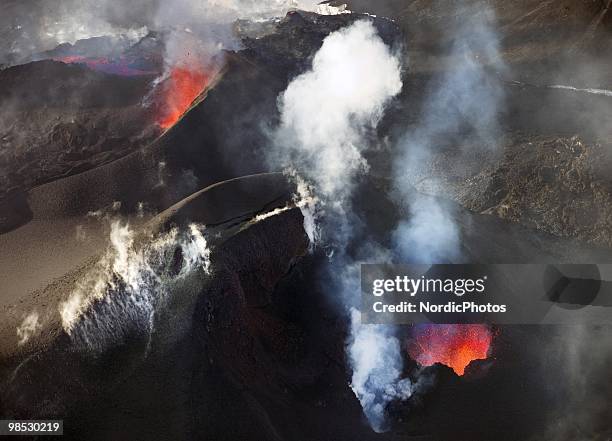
x: 179, y: 90
x: 455, y: 346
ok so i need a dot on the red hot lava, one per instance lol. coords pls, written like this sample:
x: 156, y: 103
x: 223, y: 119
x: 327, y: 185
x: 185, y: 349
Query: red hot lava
x: 455, y: 346
x: 178, y: 92
x: 175, y: 94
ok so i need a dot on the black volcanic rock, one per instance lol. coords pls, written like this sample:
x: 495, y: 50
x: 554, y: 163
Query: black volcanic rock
x: 258, y: 352
x: 300, y: 34
x: 248, y: 259
x: 60, y: 119
x: 103, y: 46
x: 78, y: 119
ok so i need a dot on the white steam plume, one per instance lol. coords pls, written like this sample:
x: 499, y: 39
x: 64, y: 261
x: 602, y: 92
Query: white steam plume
x: 38, y: 26
x: 197, y: 32
x: 308, y: 206
x: 375, y: 354
x: 430, y: 235
x: 306, y: 202
x: 325, y: 114
x: 604, y: 92
x: 28, y: 328
x: 463, y: 104
x: 326, y: 111
x: 577, y: 361
x: 33, y: 26
x: 224, y: 11
x: 126, y: 286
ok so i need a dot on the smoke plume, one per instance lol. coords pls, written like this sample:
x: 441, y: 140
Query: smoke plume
x: 123, y: 290
x: 463, y: 105
x: 28, y: 328
x: 375, y: 355
x: 326, y: 111
x: 578, y: 361
x: 34, y: 26
x: 326, y: 114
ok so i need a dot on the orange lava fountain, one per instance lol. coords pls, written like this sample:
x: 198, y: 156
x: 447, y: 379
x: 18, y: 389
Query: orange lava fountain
x: 455, y: 346
x: 179, y: 90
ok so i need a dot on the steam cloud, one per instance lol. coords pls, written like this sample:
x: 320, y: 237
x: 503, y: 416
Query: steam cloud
x: 325, y: 115
x: 33, y: 26
x: 28, y: 328
x: 325, y: 112
x: 463, y: 104
x: 128, y: 284
x: 376, y: 355
x: 578, y: 361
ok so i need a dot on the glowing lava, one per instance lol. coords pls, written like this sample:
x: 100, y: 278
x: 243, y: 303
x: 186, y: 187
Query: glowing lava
x: 455, y: 346
x: 179, y: 90
x: 182, y: 85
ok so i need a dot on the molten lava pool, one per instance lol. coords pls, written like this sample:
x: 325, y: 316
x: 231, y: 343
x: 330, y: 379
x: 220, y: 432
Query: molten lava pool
x: 455, y: 346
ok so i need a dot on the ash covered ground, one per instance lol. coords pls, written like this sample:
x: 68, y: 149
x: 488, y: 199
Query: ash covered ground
x: 187, y: 190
